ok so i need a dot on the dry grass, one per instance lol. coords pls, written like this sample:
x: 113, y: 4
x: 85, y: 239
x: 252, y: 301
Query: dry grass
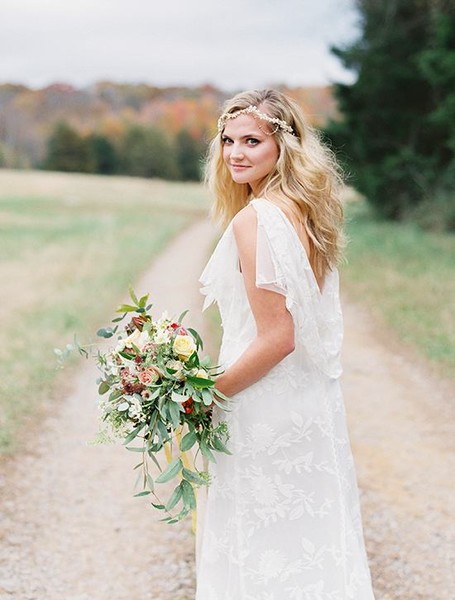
x: 71, y: 244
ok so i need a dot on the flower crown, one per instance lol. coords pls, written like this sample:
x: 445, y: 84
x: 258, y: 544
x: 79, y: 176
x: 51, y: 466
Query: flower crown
x: 253, y: 110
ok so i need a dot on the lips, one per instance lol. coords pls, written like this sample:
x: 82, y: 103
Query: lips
x: 239, y: 167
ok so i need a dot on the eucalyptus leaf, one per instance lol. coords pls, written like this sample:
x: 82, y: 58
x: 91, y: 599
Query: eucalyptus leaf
x: 175, y: 497
x: 201, y: 382
x: 174, y: 413
x: 218, y: 445
x: 182, y: 316
x: 144, y: 493
x: 130, y: 437
x: 178, y: 397
x: 103, y: 388
x: 197, y: 337
x: 172, y: 470
x: 105, y: 332
x: 155, y: 460
x: 188, y: 441
x: 192, y: 477
x: 221, y: 395
x: 206, y: 451
x: 188, y: 494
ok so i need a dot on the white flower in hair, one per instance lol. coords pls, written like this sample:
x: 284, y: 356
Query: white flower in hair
x: 255, y: 112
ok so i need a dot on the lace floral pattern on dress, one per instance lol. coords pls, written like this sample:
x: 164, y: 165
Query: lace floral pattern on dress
x: 282, y: 517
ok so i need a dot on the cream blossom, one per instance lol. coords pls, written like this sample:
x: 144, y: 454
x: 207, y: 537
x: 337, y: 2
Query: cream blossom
x: 184, y: 346
x: 162, y: 336
x: 137, y: 338
x: 176, y: 366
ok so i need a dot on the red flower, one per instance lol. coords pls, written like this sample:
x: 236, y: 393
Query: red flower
x: 188, y: 405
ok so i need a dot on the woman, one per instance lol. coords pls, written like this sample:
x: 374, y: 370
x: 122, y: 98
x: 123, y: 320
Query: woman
x: 282, y: 516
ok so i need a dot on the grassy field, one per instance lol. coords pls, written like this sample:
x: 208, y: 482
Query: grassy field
x: 407, y: 278
x: 70, y: 245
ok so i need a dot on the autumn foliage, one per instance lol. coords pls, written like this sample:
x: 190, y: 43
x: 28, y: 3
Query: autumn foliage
x: 120, y: 128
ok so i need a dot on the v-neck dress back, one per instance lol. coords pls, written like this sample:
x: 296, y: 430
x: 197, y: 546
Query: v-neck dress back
x: 282, y: 518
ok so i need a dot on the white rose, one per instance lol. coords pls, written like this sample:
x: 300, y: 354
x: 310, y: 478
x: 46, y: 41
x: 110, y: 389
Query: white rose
x: 184, y: 346
x: 138, y: 338
x: 176, y: 366
x: 161, y: 337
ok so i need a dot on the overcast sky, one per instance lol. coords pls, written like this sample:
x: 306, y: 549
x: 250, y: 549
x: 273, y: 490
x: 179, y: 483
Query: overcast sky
x: 232, y: 43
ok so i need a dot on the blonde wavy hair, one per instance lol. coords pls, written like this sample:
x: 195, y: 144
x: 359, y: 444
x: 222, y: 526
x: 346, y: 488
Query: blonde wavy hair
x: 306, y: 181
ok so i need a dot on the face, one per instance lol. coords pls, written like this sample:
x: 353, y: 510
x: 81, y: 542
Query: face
x: 249, y: 153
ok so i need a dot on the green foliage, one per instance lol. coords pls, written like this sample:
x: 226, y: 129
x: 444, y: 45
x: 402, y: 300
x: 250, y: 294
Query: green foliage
x: 398, y: 126
x: 68, y: 151
x: 79, y: 229
x: 407, y: 278
x: 146, y: 152
x: 190, y: 153
x: 103, y: 153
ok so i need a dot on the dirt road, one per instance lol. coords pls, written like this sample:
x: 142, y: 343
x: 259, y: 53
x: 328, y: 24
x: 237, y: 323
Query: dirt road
x: 71, y: 530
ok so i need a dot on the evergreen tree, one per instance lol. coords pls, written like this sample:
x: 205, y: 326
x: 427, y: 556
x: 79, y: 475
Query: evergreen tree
x: 103, y: 153
x: 438, y: 65
x: 146, y: 152
x: 189, y: 156
x: 68, y: 151
x: 396, y: 147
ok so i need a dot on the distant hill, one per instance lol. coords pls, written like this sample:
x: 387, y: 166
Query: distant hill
x: 27, y: 116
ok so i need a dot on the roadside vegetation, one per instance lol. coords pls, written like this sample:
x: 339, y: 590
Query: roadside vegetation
x: 71, y: 244
x: 407, y: 278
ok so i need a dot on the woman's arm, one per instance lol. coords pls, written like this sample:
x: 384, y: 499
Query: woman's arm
x: 274, y: 324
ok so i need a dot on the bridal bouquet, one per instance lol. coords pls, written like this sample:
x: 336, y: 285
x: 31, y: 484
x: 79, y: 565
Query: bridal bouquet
x: 157, y: 394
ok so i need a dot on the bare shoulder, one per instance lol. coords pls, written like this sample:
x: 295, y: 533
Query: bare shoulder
x: 244, y: 221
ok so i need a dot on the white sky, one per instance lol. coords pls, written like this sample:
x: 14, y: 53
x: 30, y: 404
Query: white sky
x: 232, y: 44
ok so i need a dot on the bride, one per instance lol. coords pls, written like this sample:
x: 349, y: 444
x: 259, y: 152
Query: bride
x: 282, y: 518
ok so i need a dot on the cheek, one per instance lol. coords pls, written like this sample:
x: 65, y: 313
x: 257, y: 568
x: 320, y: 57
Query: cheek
x: 270, y: 157
x: 225, y: 153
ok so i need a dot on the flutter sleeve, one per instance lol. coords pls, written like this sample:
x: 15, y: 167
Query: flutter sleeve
x: 218, y: 276
x: 282, y: 266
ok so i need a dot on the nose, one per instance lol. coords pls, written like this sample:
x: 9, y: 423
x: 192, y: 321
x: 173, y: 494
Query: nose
x: 236, y: 151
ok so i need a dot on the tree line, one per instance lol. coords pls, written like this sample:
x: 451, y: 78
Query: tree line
x: 139, y: 151
x: 396, y: 135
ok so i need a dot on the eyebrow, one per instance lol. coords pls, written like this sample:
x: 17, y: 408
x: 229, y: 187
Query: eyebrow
x: 243, y: 137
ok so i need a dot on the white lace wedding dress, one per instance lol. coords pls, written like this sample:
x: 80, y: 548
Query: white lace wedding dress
x: 282, y: 516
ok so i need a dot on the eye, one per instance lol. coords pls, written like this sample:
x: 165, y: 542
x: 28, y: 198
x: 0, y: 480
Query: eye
x: 252, y: 141
x: 225, y: 140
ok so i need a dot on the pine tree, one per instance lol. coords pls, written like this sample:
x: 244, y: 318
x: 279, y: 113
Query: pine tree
x: 189, y: 156
x: 104, y: 154
x: 68, y: 151
x: 146, y: 152
x: 393, y: 134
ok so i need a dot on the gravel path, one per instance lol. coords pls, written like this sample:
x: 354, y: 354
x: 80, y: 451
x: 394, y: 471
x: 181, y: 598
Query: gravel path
x: 71, y: 530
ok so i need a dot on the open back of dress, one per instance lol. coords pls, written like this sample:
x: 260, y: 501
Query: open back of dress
x: 282, y: 516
